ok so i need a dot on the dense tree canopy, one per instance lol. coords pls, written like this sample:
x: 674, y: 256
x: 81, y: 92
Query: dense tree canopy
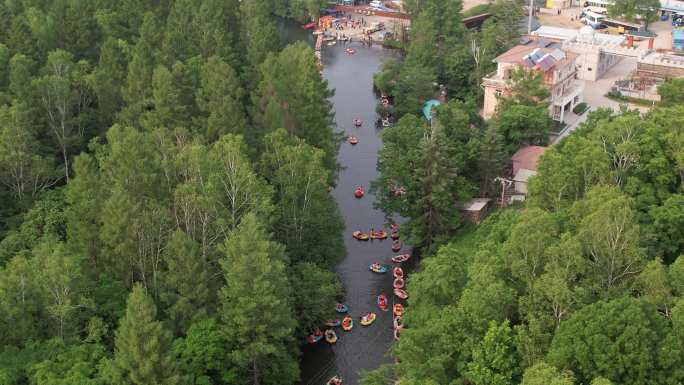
x: 587, y: 273
x: 141, y: 164
x: 166, y: 217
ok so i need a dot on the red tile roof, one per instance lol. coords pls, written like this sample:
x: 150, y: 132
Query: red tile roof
x: 516, y: 54
x: 527, y: 158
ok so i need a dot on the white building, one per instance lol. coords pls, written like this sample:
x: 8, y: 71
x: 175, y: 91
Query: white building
x: 558, y: 70
x: 595, y: 51
x: 665, y: 5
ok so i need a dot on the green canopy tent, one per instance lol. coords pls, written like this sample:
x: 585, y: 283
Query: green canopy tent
x: 427, y: 108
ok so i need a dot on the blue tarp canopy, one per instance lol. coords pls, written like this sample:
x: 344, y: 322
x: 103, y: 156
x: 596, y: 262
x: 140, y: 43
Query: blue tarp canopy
x: 427, y: 108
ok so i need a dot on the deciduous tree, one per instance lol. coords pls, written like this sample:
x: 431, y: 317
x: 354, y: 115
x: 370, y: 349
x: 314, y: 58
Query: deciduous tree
x: 590, y: 340
x: 64, y: 97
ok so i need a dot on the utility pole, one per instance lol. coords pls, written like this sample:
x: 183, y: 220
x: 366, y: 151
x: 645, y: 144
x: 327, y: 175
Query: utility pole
x: 529, y: 18
x: 504, y: 183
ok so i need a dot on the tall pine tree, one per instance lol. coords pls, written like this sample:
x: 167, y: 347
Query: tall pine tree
x: 142, y: 346
x: 256, y: 307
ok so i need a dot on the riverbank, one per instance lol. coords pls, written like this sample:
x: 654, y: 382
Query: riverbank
x: 351, y: 25
x: 363, y: 348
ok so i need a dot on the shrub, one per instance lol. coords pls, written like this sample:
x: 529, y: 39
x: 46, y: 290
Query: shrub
x: 580, y: 108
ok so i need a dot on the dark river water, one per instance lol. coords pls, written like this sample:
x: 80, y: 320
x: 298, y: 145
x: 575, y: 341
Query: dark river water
x: 363, y: 348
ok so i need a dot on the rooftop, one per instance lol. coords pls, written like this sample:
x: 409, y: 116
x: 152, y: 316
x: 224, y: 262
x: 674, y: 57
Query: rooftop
x: 662, y: 59
x: 533, y: 56
x: 475, y: 204
x: 585, y: 34
x: 527, y: 158
x: 555, y: 32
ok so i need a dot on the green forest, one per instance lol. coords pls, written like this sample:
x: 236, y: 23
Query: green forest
x: 165, y: 170
x: 166, y: 217
x: 583, y: 283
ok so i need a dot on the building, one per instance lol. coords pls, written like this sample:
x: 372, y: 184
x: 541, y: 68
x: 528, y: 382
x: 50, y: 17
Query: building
x: 558, y: 3
x: 557, y: 66
x: 525, y: 162
x: 594, y: 50
x: 665, y: 5
x: 660, y: 65
x: 475, y: 210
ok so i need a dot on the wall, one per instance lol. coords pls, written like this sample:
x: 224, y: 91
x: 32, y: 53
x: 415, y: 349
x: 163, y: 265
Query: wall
x: 592, y: 62
x: 490, y: 102
x: 521, y: 187
x: 661, y: 71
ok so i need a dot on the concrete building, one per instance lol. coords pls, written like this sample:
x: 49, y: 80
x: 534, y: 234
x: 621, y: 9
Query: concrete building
x: 660, y: 65
x: 557, y: 66
x: 475, y: 210
x: 593, y: 50
x: 665, y: 5
x: 559, y: 3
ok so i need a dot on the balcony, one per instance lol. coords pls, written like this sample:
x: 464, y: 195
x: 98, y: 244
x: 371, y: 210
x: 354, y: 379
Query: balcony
x: 577, y: 88
x: 492, y: 80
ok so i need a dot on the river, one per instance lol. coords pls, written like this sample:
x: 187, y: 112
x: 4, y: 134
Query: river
x: 363, y: 348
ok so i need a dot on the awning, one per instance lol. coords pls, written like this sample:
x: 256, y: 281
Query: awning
x: 427, y: 108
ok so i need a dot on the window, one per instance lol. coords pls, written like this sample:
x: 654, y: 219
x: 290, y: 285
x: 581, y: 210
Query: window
x: 588, y: 68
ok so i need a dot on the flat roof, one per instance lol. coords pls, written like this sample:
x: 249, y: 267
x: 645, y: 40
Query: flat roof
x: 555, y: 32
x: 475, y: 204
x: 516, y: 54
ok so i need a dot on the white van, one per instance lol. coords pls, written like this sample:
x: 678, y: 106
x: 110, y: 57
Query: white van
x: 593, y: 19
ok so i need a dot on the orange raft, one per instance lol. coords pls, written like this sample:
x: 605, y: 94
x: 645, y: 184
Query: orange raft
x: 353, y: 140
x: 378, y: 234
x: 401, y: 293
x: 398, y: 283
x: 347, y: 323
x: 368, y: 319
x: 361, y: 236
x: 398, y: 310
x: 397, y: 272
x: 382, y: 302
x: 359, y: 192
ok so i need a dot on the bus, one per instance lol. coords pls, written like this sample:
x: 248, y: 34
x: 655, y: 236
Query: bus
x: 599, y: 10
x: 593, y: 19
x: 624, y: 25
